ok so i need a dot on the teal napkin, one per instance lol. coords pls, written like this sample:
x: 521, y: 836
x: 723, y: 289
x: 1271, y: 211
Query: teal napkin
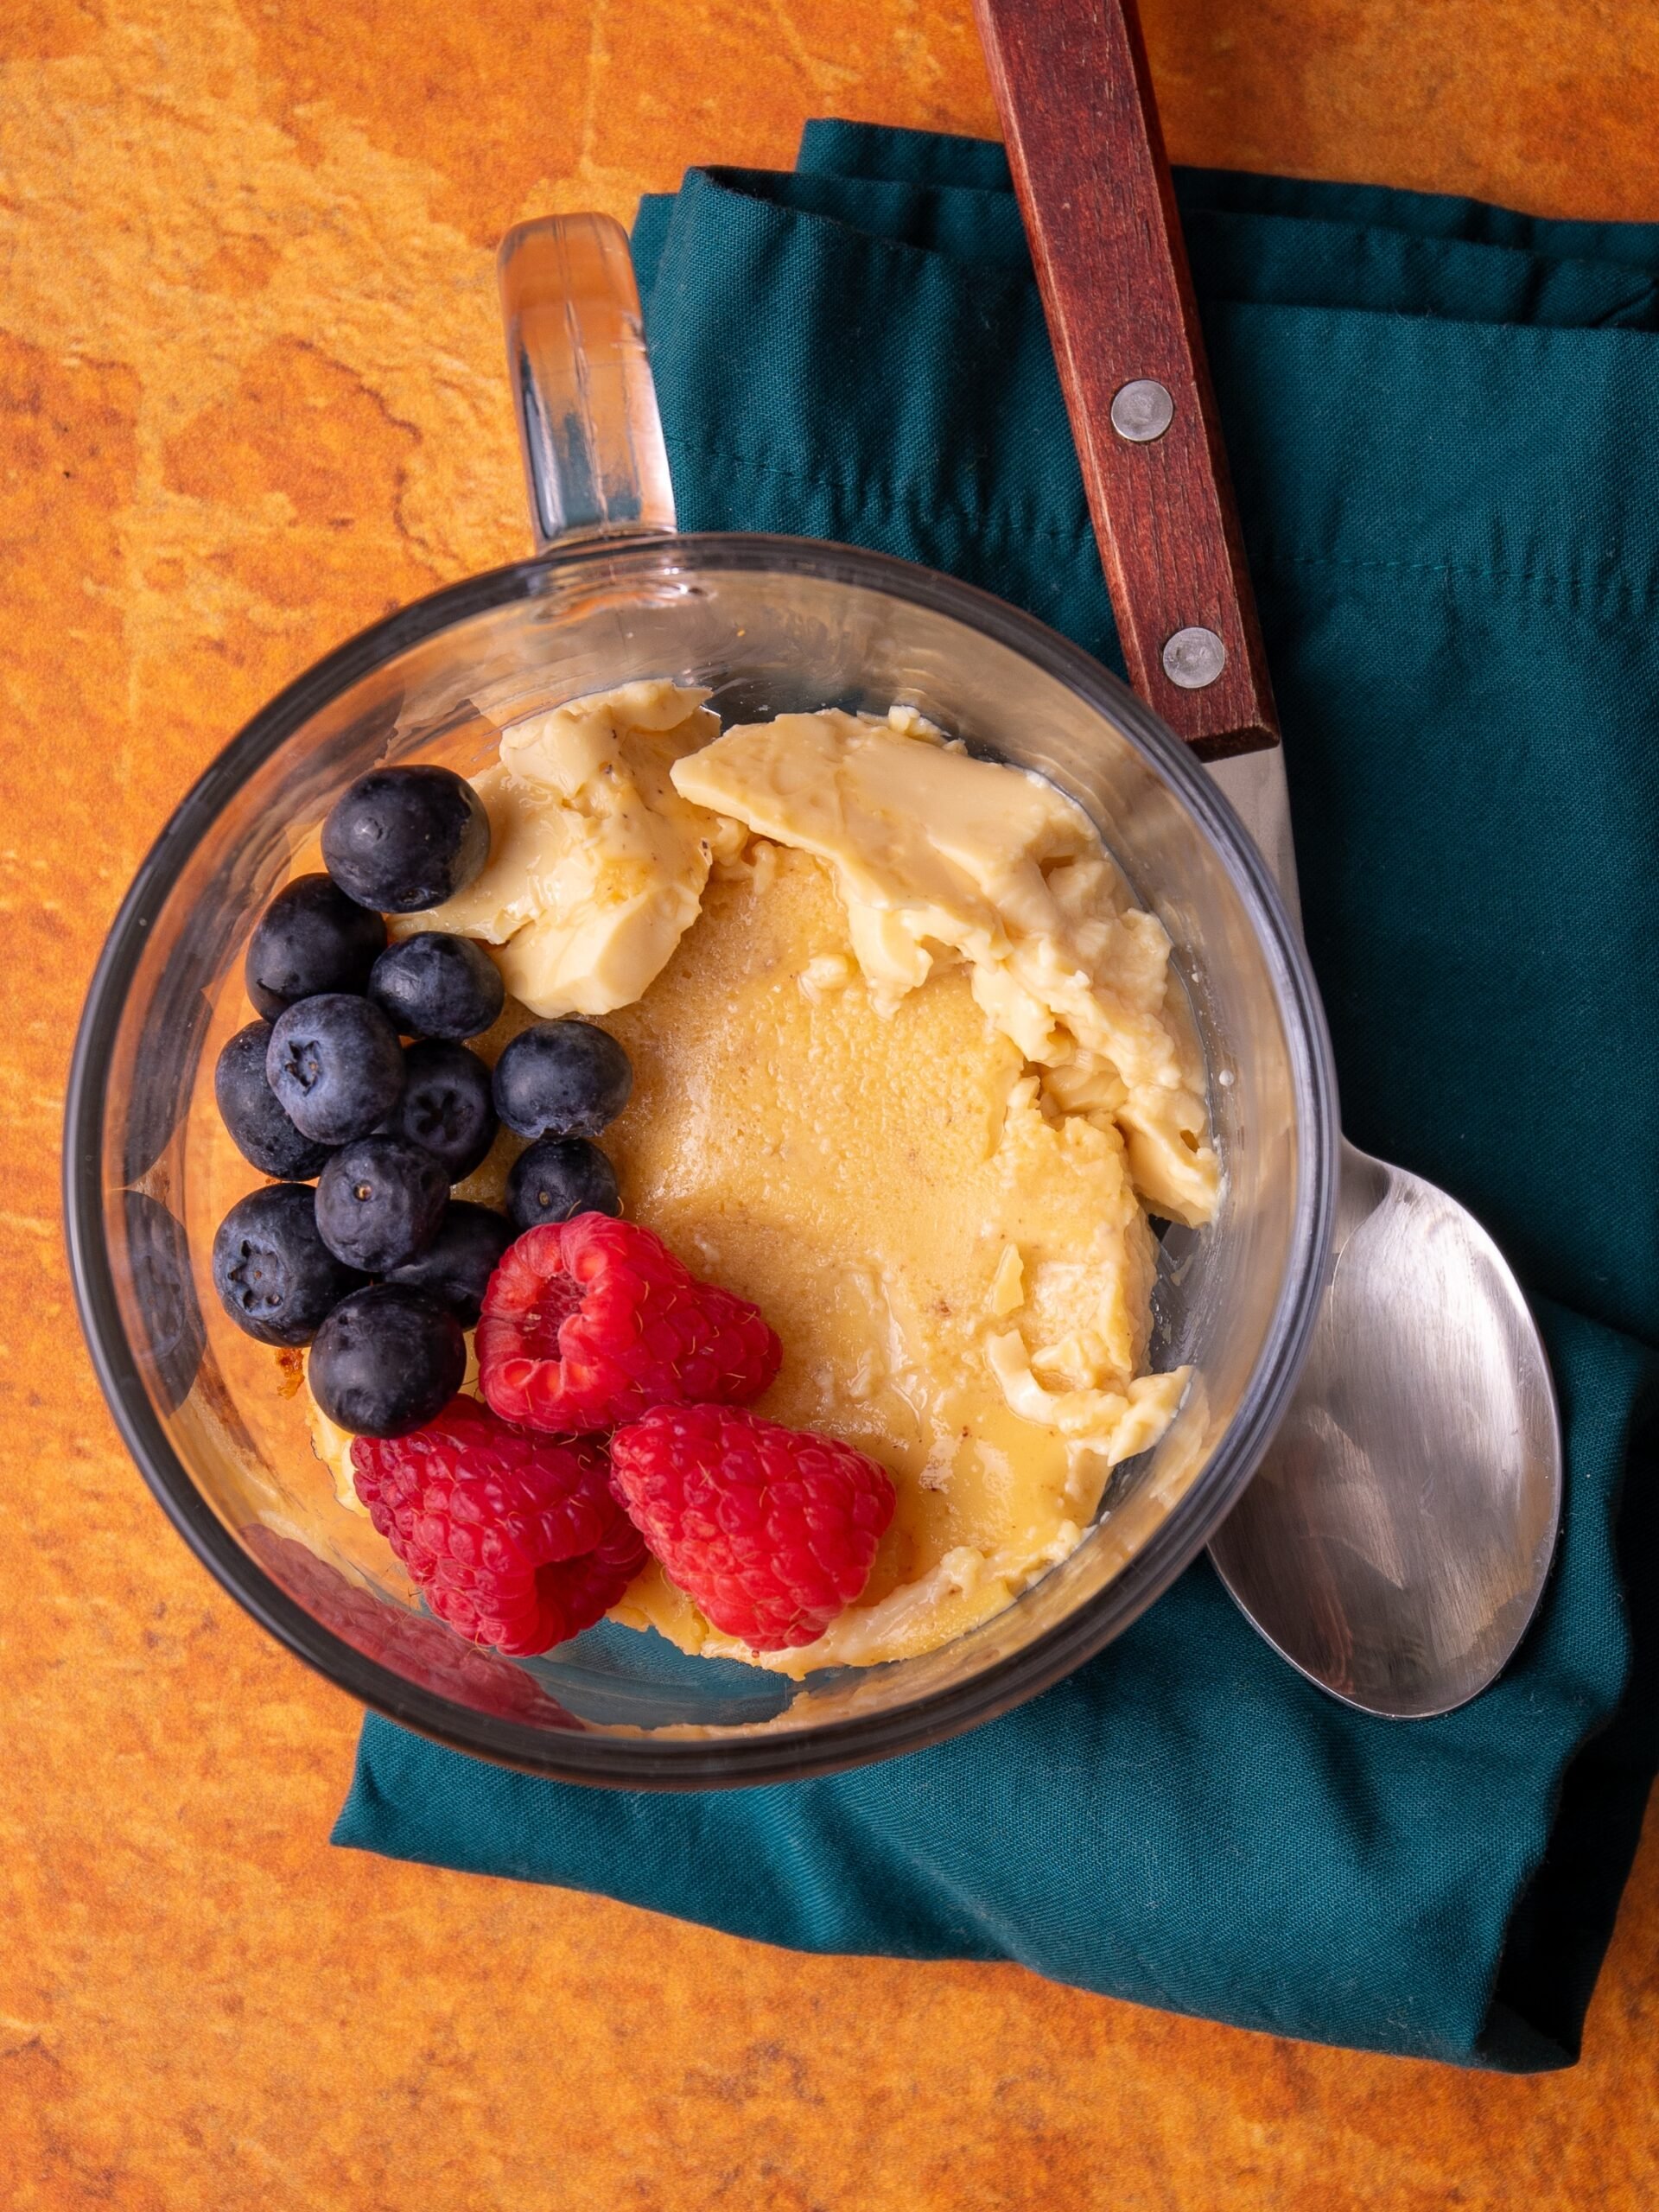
x: 1444, y: 425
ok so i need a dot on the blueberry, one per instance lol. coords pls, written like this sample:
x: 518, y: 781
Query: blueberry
x: 248, y: 1109
x: 446, y: 1106
x: 400, y: 839
x: 561, y: 1079
x: 559, y: 1177
x: 386, y: 1360
x: 310, y: 938
x: 435, y: 985
x: 379, y: 1201
x: 335, y: 1065
x: 277, y: 1279
x: 456, y: 1265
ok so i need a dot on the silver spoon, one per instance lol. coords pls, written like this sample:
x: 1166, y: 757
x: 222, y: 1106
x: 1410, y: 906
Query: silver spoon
x: 1396, y: 1541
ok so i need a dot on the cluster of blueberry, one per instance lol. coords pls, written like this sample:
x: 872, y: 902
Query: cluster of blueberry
x: 379, y: 1269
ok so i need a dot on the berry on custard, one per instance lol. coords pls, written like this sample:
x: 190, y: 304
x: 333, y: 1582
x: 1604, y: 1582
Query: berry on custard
x: 274, y: 1276
x: 436, y: 985
x: 310, y: 938
x: 251, y: 1110
x: 561, y: 1079
x: 386, y: 1360
x: 445, y: 1106
x: 770, y: 1531
x: 336, y: 1066
x: 402, y: 839
x: 514, y: 1540
x: 379, y: 1201
x: 594, y: 1321
x: 456, y: 1265
x: 558, y: 1178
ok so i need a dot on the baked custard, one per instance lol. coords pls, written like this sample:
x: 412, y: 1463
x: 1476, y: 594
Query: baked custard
x: 910, y: 1071
x: 827, y: 1350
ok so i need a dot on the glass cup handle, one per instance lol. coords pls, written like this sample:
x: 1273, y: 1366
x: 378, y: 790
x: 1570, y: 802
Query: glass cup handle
x: 596, y: 465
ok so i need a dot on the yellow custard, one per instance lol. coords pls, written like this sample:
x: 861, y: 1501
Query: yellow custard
x: 889, y: 1190
x: 909, y: 1065
x: 596, y: 863
x: 940, y: 858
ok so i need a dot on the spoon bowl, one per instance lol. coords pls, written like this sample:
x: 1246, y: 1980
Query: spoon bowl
x: 1397, y: 1538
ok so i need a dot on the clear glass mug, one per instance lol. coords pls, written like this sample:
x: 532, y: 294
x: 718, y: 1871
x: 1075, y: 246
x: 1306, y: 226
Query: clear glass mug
x: 767, y: 623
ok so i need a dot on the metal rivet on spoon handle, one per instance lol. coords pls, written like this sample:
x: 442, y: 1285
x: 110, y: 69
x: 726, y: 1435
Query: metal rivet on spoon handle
x: 1194, y: 658
x: 1142, y: 411
x: 1396, y: 1541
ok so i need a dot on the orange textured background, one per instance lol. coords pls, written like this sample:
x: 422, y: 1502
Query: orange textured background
x: 250, y: 398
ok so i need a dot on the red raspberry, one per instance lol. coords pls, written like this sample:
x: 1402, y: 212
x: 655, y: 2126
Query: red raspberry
x: 410, y: 1643
x: 591, y: 1322
x: 513, y: 1540
x: 770, y: 1531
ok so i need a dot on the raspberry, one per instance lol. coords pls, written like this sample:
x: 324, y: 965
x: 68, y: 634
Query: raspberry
x: 591, y: 1322
x: 409, y: 1643
x: 770, y: 1531
x: 512, y: 1539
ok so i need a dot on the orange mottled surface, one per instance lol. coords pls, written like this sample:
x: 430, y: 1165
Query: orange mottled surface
x: 250, y: 398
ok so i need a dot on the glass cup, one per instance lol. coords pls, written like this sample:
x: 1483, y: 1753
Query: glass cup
x: 768, y: 624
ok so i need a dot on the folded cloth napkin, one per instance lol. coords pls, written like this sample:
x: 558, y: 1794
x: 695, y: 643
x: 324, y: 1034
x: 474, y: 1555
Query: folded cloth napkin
x: 1444, y: 425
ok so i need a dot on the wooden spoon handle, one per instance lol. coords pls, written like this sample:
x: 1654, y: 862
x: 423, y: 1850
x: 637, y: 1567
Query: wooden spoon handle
x: 1075, y: 99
